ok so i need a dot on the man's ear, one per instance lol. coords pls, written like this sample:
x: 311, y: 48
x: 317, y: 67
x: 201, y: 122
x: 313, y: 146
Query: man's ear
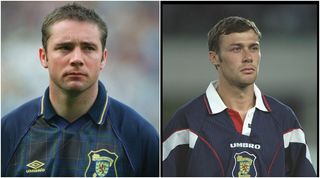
x: 104, y: 59
x: 214, y: 58
x: 43, y: 58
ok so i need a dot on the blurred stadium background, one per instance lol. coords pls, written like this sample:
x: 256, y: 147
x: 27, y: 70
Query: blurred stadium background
x: 288, y: 69
x: 132, y: 71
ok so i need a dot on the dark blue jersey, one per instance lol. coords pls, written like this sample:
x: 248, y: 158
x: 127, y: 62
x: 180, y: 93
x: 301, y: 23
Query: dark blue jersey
x: 110, y: 140
x: 205, y: 138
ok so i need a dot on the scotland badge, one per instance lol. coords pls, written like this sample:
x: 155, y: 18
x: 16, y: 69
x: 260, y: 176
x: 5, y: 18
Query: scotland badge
x: 102, y: 163
x: 244, y: 165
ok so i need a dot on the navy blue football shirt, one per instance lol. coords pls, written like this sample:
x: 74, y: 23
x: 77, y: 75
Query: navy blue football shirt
x: 96, y: 144
x: 205, y: 138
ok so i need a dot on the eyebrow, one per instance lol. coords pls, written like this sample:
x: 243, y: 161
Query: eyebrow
x: 241, y: 44
x: 64, y: 44
x: 72, y: 44
x: 88, y: 44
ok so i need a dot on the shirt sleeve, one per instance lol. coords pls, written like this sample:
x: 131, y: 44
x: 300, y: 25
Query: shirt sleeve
x: 297, y: 154
x: 176, y: 144
x: 151, y: 162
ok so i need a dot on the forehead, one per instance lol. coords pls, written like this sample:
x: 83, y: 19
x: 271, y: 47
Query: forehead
x: 247, y: 37
x: 72, y: 30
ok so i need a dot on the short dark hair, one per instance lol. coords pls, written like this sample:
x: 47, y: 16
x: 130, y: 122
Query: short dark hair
x: 73, y: 11
x: 233, y: 24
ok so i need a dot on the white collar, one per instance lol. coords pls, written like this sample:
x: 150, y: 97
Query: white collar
x: 216, y: 104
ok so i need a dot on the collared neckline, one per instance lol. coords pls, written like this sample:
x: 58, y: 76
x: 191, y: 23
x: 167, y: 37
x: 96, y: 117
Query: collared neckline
x: 97, y: 111
x: 216, y: 105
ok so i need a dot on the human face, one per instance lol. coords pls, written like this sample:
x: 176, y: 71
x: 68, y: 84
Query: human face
x: 238, y: 58
x: 74, y: 55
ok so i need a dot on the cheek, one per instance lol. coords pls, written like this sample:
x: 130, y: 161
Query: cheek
x: 94, y: 66
x: 55, y: 64
x: 258, y: 57
x: 54, y: 70
x: 232, y: 62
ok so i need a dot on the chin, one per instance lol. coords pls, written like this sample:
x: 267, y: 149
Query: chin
x: 75, y: 86
x: 74, y: 89
x: 247, y: 82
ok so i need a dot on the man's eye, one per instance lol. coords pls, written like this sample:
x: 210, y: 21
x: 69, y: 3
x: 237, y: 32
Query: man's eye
x: 64, y: 48
x: 256, y: 48
x: 89, y: 48
x: 236, y: 49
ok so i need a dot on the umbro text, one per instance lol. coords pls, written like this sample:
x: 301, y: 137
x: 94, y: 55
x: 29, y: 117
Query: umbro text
x: 245, y: 145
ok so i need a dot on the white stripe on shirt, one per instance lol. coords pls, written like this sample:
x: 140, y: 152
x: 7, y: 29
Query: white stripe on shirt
x: 296, y: 136
x: 180, y: 137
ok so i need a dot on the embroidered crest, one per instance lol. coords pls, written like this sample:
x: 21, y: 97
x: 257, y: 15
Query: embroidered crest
x: 101, y: 162
x: 244, y: 165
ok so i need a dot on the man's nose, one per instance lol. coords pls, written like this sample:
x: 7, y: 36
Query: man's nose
x: 247, y: 56
x: 77, y: 57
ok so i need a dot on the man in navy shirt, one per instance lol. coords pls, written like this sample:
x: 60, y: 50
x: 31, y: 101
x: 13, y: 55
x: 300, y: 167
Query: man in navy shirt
x: 76, y: 128
x: 233, y: 130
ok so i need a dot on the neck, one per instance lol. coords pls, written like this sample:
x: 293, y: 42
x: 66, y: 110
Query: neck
x: 240, y: 99
x: 71, y: 104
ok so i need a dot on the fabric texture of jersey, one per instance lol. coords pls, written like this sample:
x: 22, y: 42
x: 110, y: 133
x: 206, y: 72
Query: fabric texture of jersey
x: 110, y: 140
x: 205, y: 138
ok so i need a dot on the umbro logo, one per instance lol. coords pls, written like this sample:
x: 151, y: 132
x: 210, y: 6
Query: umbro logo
x: 36, y: 166
x: 245, y: 145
